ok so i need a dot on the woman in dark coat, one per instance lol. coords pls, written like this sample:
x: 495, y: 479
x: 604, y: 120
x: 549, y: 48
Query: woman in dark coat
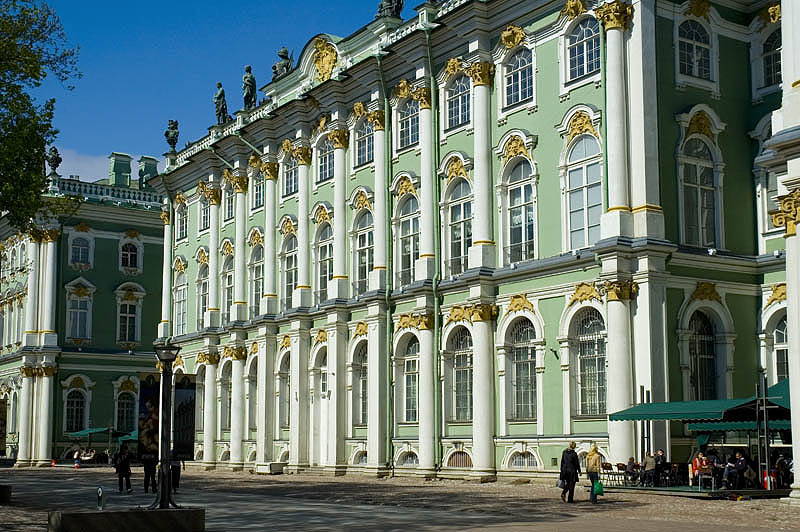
x: 570, y: 470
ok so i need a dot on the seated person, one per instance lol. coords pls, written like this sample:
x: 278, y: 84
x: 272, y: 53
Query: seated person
x: 700, y: 463
x: 630, y: 470
x: 734, y: 474
x: 661, y: 461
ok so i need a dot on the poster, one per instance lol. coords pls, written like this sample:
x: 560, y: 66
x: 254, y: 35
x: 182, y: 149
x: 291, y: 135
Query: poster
x: 149, y: 391
x: 184, y: 416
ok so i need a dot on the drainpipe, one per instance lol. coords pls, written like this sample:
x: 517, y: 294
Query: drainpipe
x: 387, y: 293
x: 437, y: 246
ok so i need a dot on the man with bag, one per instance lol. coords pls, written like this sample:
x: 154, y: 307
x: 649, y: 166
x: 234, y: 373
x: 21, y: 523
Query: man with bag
x: 570, y: 470
x: 594, y: 463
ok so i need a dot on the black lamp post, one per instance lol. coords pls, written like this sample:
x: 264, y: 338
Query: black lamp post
x: 166, y: 354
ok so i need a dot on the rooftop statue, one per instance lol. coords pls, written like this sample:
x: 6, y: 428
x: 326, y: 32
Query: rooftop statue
x: 53, y: 159
x: 221, y: 105
x: 249, y: 88
x: 171, y: 134
x: 284, y: 66
x: 390, y: 8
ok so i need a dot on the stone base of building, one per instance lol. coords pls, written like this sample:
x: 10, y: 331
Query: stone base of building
x: 173, y: 520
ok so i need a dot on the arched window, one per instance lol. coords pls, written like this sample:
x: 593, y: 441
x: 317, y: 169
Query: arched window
x: 284, y: 391
x: 289, y: 176
x: 772, y: 59
x: 14, y: 264
x: 781, y: 348
x: 80, y: 251
x: 584, y: 195
x: 409, y: 240
x: 181, y: 223
x: 179, y: 315
x: 694, y: 50
x: 205, y: 214
x: 519, y: 77
x: 126, y: 420
x: 130, y: 256
x: 127, y: 322
x: 458, y: 99
x: 702, y: 357
x: 289, y: 270
x: 324, y: 161
x: 409, y: 123
x: 202, y: 294
x: 584, y: 49
x: 256, y: 279
x: 360, y: 371
x: 521, y: 214
x: 411, y: 379
x: 365, y: 142
x: 408, y: 459
x: 459, y: 459
x: 461, y: 347
x: 523, y: 355
x: 76, y: 411
x: 460, y: 231
x: 699, y: 194
x: 364, y: 251
x: 227, y: 288
x: 523, y: 460
x: 588, y: 343
x: 229, y: 204
x: 323, y: 375
x: 324, y: 261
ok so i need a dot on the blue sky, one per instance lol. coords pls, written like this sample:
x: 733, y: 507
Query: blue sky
x: 146, y: 62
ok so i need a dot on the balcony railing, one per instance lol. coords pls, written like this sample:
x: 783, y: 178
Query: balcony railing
x: 74, y: 187
x: 519, y: 252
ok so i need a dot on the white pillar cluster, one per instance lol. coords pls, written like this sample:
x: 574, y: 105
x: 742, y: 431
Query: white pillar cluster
x: 44, y: 415
x: 340, y: 139
x: 483, y: 398
x: 427, y: 399
x: 214, y: 196
x: 302, y: 294
x: 269, y: 169
x: 25, y: 427
x: 49, y: 336
x: 299, y: 414
x: 31, y: 337
x: 164, y: 327
x: 240, y: 180
x: 209, y: 407
x: 377, y: 277
x: 424, y: 267
x: 238, y: 356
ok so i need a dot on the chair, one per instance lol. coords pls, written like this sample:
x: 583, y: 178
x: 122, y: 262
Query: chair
x: 621, y: 473
x: 607, y: 473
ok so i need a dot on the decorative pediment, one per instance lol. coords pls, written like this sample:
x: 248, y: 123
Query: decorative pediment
x: 202, y: 256
x: 362, y: 201
x: 80, y: 287
x: 579, y: 124
x: 515, y: 146
x: 179, y: 264
x: 288, y: 227
x: 778, y: 294
x: 227, y: 248
x: 455, y: 169
x: 405, y: 186
x: 322, y: 214
x: 256, y: 238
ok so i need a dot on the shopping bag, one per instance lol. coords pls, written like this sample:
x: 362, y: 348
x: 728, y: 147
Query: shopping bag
x: 561, y: 484
x: 598, y: 488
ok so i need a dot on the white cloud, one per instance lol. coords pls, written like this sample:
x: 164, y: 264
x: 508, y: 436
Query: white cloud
x: 92, y: 167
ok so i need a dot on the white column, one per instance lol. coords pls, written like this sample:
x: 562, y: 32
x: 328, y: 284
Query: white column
x: 483, y: 462
x: 424, y: 267
x: 212, y: 317
x: 336, y: 403
x: 566, y: 387
x: 616, y: 221
x: 48, y: 333
x: 210, y: 410
x: 377, y: 277
x: 24, y: 417
x: 270, y: 301
x: 790, y: 67
x: 540, y: 410
x: 265, y: 400
x: 302, y: 294
x: 340, y: 139
x: 426, y: 401
x: 619, y: 394
x: 793, y: 319
x: 239, y: 309
x: 237, y: 407
x: 377, y: 392
x: 166, y: 274
x: 298, y: 418
x: 44, y: 418
x: 32, y: 303
x: 483, y: 250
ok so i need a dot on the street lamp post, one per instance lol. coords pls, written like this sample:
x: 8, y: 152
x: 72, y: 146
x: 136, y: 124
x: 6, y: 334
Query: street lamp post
x: 166, y: 354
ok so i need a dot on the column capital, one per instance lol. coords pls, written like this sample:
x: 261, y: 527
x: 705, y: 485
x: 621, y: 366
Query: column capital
x: 615, y: 15
x: 340, y: 138
x: 164, y: 217
x: 378, y: 119
x: 481, y: 73
x: 303, y: 155
x: 788, y: 213
x: 270, y: 170
x: 238, y: 180
x: 212, y: 193
x: 620, y: 290
x: 27, y: 371
x: 210, y: 359
x: 423, y: 96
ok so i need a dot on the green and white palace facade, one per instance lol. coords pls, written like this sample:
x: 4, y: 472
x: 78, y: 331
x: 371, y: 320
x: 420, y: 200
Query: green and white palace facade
x: 79, y: 305
x: 450, y: 245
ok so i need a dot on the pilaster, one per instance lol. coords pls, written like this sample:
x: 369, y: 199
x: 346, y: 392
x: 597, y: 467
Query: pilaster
x: 424, y: 267
x: 211, y: 360
x: 338, y: 287
x: 31, y: 337
x: 377, y: 277
x: 213, y: 194
x: 164, y: 330
x: 302, y: 293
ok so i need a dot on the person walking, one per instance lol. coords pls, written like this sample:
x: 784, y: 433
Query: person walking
x: 122, y: 464
x: 570, y: 471
x: 149, y: 462
x: 175, y: 470
x: 594, y: 463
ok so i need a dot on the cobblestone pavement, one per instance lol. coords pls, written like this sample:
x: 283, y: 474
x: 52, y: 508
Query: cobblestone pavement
x: 241, y: 501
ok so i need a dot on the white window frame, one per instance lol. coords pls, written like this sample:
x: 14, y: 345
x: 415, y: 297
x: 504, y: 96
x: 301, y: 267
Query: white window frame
x: 759, y: 33
x: 396, y: 147
x: 710, y: 25
x: 766, y: 230
x: 117, y: 392
x: 226, y: 274
x: 130, y: 294
x: 447, y: 225
x: 228, y: 200
x: 445, y: 130
x: 255, y: 279
x: 73, y: 288
x: 575, y: 367
x: 137, y: 242
x: 318, y: 265
x: 368, y: 139
x: 317, y: 160
x: 289, y: 163
x: 203, y: 212
x: 501, y: 57
x: 566, y: 84
x: 256, y: 192
x: 199, y: 291
x: 355, y: 234
x: 286, y: 299
x: 67, y: 387
x: 89, y: 237
x: 177, y: 330
x: 565, y: 189
x: 397, y: 224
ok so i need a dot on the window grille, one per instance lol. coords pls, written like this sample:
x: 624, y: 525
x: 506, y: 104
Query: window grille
x: 459, y: 459
x: 524, y: 460
x: 411, y: 373
x: 702, y: 357
x: 408, y: 459
x: 461, y: 345
x: 523, y: 355
x: 590, y: 344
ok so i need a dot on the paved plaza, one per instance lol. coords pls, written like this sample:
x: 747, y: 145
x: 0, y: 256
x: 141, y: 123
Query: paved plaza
x: 241, y: 501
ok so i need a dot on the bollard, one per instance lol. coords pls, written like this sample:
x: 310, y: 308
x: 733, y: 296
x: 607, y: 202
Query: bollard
x: 100, y: 499
x: 53, y: 463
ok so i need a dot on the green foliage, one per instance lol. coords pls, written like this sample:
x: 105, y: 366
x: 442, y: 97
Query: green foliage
x: 32, y: 45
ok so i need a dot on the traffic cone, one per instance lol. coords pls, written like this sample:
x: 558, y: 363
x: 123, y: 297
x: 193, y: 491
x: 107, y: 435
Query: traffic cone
x: 53, y: 463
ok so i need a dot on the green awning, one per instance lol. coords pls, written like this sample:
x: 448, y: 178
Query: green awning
x: 679, y: 410
x: 86, y: 432
x: 727, y: 426
x: 779, y: 394
x: 131, y: 436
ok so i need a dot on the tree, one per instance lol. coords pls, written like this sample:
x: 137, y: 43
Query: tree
x: 33, y: 45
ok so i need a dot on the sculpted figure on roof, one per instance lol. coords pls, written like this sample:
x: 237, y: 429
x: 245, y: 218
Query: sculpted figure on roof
x: 390, y: 8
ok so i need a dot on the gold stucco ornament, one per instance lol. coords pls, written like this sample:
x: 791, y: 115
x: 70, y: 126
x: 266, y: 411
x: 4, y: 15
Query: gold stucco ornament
x: 288, y: 227
x: 579, y: 124
x: 620, y: 290
x: 360, y: 330
x: 698, y: 8
x: 700, y: 124
x: 455, y: 168
x: 324, y: 58
x: 519, y: 303
x: 481, y: 73
x: 405, y: 186
x: 573, y: 9
x: 706, y: 291
x: 788, y: 213
x: 515, y: 146
x: 583, y: 292
x: 322, y: 337
x: 615, y: 15
x: 362, y: 201
x: 778, y: 294
x: 513, y: 35
x: 340, y: 138
x: 286, y: 342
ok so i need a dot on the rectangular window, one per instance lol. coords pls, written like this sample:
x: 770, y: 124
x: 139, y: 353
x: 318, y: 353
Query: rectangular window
x: 258, y: 193
x: 290, y: 178
x: 182, y: 225
x: 127, y: 323
x: 463, y: 386
x: 229, y: 208
x: 364, y: 144
x: 78, y: 318
x: 411, y: 378
x: 205, y: 215
x: 409, y: 124
x: 524, y: 383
